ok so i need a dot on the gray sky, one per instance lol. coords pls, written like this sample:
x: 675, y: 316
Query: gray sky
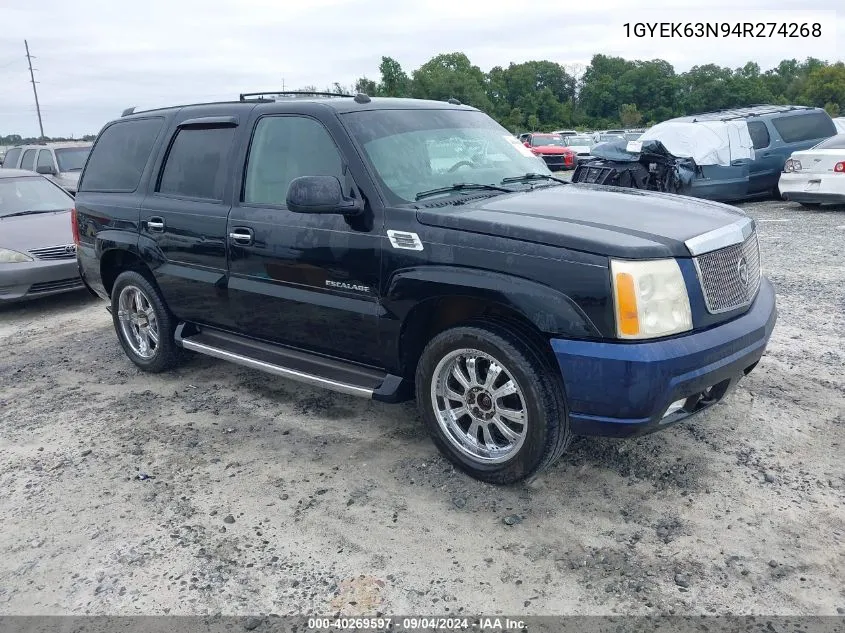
x: 97, y: 57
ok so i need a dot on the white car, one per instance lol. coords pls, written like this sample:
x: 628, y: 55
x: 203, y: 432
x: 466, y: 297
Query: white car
x: 817, y: 175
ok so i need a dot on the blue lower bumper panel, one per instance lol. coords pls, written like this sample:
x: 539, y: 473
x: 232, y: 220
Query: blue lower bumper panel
x: 623, y: 389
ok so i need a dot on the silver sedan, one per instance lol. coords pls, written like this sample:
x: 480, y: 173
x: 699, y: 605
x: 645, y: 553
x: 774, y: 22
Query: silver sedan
x: 37, y: 250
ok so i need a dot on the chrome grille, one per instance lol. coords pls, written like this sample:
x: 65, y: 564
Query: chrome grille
x: 65, y: 251
x: 730, y: 276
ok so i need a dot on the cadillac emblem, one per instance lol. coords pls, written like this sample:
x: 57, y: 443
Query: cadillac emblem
x: 742, y: 269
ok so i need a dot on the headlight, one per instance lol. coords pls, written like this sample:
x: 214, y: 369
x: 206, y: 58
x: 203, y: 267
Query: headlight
x: 13, y: 257
x: 650, y: 298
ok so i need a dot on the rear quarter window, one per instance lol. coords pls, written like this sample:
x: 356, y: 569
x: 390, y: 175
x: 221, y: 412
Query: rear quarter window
x: 11, y: 159
x: 120, y: 154
x: 804, y: 127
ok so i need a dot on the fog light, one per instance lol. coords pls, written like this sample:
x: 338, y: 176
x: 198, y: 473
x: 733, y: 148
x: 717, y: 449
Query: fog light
x: 675, y: 407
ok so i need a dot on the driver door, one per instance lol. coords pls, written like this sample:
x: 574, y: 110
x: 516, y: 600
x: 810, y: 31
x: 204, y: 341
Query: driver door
x: 301, y: 279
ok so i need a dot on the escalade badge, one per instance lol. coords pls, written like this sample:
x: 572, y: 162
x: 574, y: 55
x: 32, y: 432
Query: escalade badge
x: 742, y: 269
x: 345, y: 286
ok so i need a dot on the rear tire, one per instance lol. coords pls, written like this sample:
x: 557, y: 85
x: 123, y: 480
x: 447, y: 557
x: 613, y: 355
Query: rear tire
x: 143, y: 323
x: 496, y: 438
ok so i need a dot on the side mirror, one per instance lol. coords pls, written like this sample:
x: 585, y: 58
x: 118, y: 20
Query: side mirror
x: 320, y: 194
x: 527, y: 144
x: 45, y: 170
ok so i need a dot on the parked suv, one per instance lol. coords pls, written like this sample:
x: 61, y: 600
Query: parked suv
x: 314, y: 239
x: 60, y: 162
x: 726, y: 155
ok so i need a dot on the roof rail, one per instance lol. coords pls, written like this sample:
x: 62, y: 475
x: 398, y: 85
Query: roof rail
x: 268, y: 95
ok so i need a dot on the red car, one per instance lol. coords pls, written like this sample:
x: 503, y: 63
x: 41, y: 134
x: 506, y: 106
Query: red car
x: 552, y: 149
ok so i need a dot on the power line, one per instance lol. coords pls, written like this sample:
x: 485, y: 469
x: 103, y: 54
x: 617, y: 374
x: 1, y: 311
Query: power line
x: 34, y: 91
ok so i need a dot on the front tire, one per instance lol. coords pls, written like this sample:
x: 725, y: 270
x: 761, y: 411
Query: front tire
x: 491, y: 403
x: 143, y: 323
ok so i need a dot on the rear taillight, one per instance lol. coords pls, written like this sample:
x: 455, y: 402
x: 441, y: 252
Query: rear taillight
x: 839, y: 167
x: 792, y: 165
x: 74, y: 227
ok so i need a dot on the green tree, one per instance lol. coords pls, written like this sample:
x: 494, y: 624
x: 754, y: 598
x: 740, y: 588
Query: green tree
x: 394, y: 81
x: 832, y: 109
x: 448, y: 76
x: 630, y: 115
x: 825, y: 84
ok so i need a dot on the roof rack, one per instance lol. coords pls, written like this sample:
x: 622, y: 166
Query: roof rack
x: 754, y: 110
x: 269, y: 95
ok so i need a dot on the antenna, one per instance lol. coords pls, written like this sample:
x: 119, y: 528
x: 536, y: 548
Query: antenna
x: 34, y: 91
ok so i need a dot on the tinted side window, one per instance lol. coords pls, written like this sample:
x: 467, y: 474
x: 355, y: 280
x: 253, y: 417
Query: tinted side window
x: 45, y: 158
x: 803, y: 127
x: 196, y: 163
x: 284, y: 148
x: 11, y: 159
x: 120, y: 154
x: 759, y: 134
x: 28, y: 161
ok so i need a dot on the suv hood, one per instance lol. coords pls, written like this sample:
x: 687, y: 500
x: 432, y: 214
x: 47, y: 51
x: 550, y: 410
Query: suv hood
x: 612, y: 221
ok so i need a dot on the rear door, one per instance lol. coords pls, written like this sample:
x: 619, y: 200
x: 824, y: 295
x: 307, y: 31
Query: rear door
x: 764, y: 170
x: 302, y: 279
x: 184, y: 216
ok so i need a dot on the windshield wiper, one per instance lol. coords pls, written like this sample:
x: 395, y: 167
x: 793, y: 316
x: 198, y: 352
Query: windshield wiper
x: 17, y: 213
x: 534, y: 176
x: 458, y: 186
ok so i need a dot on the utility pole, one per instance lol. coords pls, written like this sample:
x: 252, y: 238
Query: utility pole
x: 34, y: 91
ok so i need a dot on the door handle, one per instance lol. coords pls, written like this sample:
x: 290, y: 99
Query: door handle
x: 242, y: 236
x: 155, y: 225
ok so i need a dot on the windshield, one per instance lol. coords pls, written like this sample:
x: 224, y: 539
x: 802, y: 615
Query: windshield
x: 580, y: 141
x: 633, y: 136
x: 541, y: 141
x: 72, y: 158
x: 607, y: 138
x: 31, y: 194
x: 419, y: 150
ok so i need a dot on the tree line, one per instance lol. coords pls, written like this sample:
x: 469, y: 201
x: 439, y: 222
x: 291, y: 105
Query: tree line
x: 610, y: 91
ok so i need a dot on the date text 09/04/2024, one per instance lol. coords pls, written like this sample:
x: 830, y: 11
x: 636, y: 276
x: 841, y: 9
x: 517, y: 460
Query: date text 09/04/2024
x: 723, y: 29
x: 408, y: 624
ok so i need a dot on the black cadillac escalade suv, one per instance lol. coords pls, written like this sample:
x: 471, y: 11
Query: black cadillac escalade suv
x: 396, y: 248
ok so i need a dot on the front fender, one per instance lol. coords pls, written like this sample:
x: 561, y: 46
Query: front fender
x: 551, y: 311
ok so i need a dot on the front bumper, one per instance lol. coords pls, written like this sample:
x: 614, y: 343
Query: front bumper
x: 623, y: 389
x: 558, y: 162
x: 39, y: 278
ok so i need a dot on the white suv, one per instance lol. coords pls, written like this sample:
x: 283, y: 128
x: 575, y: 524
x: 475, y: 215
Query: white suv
x: 60, y: 162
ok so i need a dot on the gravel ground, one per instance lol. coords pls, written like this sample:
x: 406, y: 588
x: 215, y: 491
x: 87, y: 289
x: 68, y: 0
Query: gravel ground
x: 217, y: 489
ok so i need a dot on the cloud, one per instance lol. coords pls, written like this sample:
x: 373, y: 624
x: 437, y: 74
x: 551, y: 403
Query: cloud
x: 94, y: 58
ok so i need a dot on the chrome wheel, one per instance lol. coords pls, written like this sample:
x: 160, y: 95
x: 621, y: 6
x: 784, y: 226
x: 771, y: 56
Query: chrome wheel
x: 479, y: 405
x: 138, y: 322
